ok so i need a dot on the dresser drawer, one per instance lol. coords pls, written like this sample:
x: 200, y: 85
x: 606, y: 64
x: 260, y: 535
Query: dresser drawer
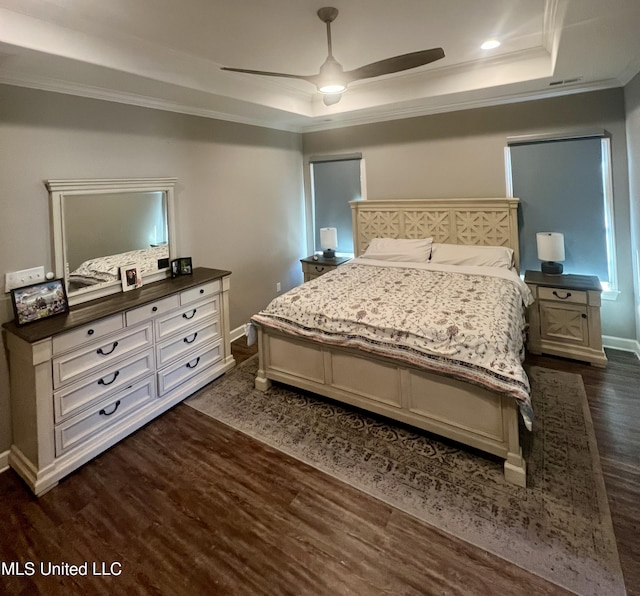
x: 186, y: 316
x: 203, y: 291
x: 97, y: 330
x: 562, y: 295
x: 188, y: 341
x: 95, y: 387
x: 188, y: 367
x: 74, y: 365
x: 103, y: 416
x: 153, y: 309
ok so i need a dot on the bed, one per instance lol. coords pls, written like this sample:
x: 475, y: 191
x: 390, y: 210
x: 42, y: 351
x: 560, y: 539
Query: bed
x: 457, y: 374
x: 107, y: 269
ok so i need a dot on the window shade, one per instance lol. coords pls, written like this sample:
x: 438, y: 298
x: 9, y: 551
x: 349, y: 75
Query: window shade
x: 560, y: 186
x: 335, y: 183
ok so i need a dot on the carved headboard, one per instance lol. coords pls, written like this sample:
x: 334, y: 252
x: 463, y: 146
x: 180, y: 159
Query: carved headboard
x: 488, y: 222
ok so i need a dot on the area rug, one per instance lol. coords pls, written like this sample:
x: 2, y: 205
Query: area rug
x: 559, y: 527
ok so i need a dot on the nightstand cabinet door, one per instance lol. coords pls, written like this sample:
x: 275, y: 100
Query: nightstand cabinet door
x: 564, y: 323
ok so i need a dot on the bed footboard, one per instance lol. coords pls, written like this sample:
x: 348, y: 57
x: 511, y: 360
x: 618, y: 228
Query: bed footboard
x: 448, y: 407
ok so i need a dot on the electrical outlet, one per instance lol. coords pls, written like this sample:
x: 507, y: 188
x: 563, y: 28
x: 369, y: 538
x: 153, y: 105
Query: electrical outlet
x: 26, y: 277
x: 278, y: 287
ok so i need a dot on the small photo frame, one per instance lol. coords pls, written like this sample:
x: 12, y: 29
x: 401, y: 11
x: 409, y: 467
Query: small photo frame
x: 131, y: 277
x: 39, y: 301
x: 181, y: 266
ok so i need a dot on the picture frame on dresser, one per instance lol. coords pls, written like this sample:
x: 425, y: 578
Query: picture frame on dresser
x: 181, y: 266
x: 39, y: 301
x: 131, y: 277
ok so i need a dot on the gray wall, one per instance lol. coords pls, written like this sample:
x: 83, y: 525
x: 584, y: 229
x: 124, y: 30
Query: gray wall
x: 461, y: 154
x: 240, y: 193
x: 238, y: 197
x: 632, y: 104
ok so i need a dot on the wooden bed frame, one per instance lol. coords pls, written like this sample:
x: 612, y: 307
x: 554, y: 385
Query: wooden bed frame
x: 455, y: 409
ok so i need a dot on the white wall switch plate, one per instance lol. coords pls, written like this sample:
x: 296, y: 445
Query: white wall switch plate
x: 26, y: 277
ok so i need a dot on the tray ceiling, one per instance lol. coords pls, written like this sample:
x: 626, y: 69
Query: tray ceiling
x: 167, y: 54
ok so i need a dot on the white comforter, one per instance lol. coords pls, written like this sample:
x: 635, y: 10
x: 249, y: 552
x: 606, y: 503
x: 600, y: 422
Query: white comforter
x: 465, y: 322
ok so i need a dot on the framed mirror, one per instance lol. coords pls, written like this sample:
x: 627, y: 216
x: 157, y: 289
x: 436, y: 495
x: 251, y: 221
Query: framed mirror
x: 100, y: 226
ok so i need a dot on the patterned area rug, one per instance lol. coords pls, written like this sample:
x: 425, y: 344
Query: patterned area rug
x: 559, y: 527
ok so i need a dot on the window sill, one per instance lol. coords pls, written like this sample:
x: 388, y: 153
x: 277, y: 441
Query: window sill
x: 611, y: 295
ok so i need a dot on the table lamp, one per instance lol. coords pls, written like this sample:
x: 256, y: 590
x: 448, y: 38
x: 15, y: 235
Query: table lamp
x: 550, y: 251
x: 329, y: 242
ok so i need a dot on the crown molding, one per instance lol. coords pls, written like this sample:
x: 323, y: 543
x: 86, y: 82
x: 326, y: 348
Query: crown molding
x: 341, y: 121
x: 144, y: 101
x: 304, y: 124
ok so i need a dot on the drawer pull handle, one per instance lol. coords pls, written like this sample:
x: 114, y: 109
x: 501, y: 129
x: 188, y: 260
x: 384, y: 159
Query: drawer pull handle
x: 186, y: 340
x: 189, y: 365
x: 103, y: 353
x: 90, y: 332
x: 115, y: 376
x: 154, y: 309
x: 583, y: 315
x: 193, y: 314
x: 319, y: 268
x: 567, y: 295
x: 202, y: 291
x: 103, y: 412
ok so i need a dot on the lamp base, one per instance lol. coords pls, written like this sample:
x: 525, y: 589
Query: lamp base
x: 551, y: 268
x: 329, y: 253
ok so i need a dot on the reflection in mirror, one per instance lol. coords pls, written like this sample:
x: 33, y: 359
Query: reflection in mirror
x: 102, y: 225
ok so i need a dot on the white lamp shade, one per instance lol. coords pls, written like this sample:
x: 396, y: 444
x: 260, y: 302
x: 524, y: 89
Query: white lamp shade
x: 550, y: 246
x: 328, y: 238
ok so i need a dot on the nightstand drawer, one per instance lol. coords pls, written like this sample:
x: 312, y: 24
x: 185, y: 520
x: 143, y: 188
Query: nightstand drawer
x: 314, y: 269
x: 562, y: 295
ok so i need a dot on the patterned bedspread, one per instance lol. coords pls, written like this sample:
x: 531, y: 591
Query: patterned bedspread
x: 465, y: 322
x: 107, y: 268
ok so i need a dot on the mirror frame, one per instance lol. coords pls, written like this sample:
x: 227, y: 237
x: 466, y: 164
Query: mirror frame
x: 58, y: 189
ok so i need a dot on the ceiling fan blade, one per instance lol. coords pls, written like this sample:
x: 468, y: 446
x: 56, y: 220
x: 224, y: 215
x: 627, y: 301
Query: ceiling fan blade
x: 267, y: 73
x: 395, y: 64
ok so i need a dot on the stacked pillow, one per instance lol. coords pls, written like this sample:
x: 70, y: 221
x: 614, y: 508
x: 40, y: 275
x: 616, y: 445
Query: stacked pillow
x: 399, y: 249
x: 424, y: 250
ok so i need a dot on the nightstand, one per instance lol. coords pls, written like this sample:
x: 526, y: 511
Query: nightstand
x: 564, y: 320
x: 315, y: 267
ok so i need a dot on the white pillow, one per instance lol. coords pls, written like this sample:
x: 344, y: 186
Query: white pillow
x: 399, y: 249
x: 458, y: 254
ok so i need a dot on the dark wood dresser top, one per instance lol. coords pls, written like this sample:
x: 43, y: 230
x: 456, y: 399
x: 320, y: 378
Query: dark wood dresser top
x: 84, y: 313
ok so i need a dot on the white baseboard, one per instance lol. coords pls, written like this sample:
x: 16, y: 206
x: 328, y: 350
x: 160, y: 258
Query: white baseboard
x: 4, y: 461
x: 236, y: 333
x: 621, y: 343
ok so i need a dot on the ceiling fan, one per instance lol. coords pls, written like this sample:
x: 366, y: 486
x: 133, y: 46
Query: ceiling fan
x: 331, y: 81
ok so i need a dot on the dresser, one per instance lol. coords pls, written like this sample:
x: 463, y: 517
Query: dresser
x: 83, y: 381
x: 564, y: 320
x: 316, y: 265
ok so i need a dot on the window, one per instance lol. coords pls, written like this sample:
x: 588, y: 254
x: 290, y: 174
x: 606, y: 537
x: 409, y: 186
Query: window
x: 335, y: 180
x: 564, y: 185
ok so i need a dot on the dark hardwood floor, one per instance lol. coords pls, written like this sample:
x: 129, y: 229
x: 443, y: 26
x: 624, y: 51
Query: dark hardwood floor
x: 189, y: 506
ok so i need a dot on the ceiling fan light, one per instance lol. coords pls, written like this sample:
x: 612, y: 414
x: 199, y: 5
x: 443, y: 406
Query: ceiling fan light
x: 332, y: 88
x: 331, y: 99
